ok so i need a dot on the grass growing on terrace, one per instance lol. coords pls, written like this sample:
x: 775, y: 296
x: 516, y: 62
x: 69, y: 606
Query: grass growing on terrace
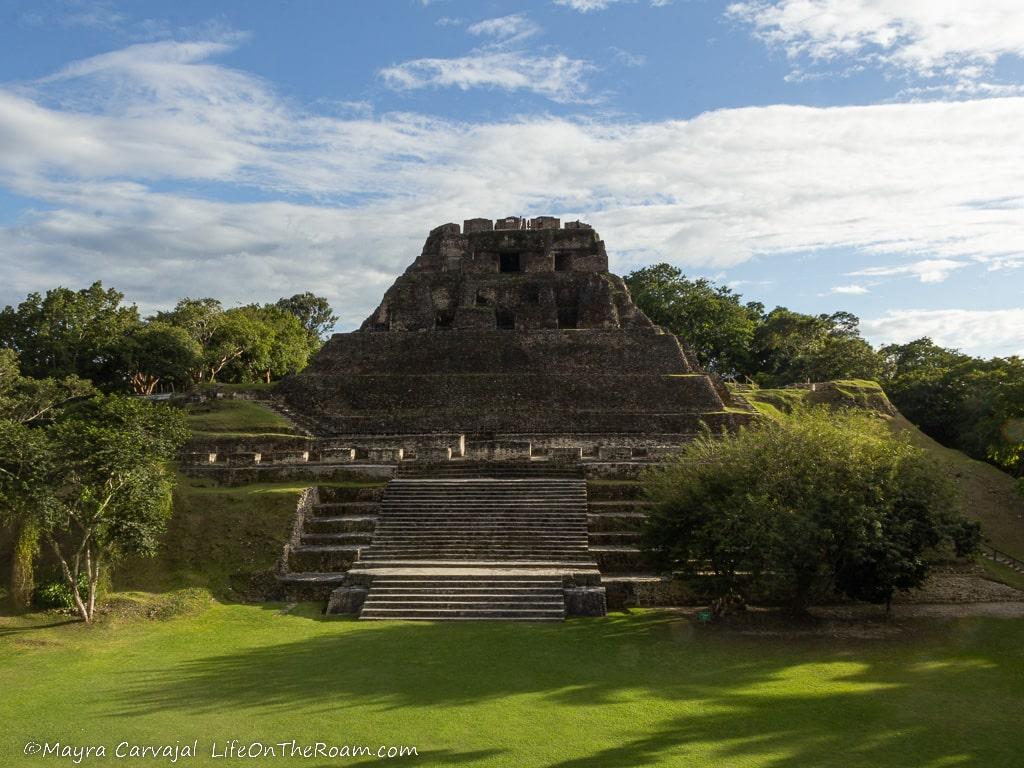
x: 219, y: 536
x: 620, y: 692
x: 238, y: 417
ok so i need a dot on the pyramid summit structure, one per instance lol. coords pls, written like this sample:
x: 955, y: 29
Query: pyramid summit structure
x: 513, y: 337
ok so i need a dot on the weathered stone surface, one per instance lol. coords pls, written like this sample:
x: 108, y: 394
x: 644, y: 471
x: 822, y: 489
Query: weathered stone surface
x: 346, y: 600
x: 507, y: 328
x: 585, y: 601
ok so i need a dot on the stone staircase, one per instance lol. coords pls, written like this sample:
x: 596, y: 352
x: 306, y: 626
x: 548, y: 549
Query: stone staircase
x: 462, y: 597
x: 330, y: 531
x: 499, y: 521
x: 495, y: 470
x: 476, y: 548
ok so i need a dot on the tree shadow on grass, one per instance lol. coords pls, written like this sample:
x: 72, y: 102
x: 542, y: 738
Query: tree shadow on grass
x: 698, y: 698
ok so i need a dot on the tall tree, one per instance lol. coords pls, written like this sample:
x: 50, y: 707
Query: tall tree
x: 791, y: 347
x: 111, y: 488
x: 158, y: 351
x: 709, y: 317
x: 68, y: 332
x: 315, y: 314
x: 26, y: 406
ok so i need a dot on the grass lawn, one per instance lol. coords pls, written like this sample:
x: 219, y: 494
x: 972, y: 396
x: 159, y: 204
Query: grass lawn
x: 644, y: 689
x: 238, y: 417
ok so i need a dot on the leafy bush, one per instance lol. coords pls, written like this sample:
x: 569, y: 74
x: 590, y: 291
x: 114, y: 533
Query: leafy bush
x: 814, y: 503
x: 57, y: 595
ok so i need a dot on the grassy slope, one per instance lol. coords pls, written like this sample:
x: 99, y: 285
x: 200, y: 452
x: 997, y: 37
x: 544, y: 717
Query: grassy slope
x: 236, y: 417
x: 624, y: 691
x: 220, y: 537
x: 217, y: 537
x: 986, y: 493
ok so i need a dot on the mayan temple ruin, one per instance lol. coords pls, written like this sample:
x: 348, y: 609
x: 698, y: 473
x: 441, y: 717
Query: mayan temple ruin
x: 505, y: 369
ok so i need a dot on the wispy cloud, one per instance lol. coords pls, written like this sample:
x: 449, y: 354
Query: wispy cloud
x: 958, y: 43
x: 557, y: 77
x: 925, y: 270
x: 983, y: 332
x: 586, y: 6
x: 505, y: 62
x: 852, y: 290
x: 122, y: 150
x: 505, y: 28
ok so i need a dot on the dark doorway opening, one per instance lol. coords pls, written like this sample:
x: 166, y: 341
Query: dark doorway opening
x: 508, y: 262
x: 444, y: 318
x: 568, y: 317
x: 563, y: 262
x: 505, y: 319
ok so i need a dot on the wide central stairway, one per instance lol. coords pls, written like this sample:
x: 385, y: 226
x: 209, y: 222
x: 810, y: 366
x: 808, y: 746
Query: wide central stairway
x: 476, y: 548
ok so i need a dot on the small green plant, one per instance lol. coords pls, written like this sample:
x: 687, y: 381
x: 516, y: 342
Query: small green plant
x: 57, y: 595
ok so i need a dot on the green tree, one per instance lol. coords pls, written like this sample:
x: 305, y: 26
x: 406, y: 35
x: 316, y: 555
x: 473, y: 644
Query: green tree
x: 111, y: 488
x: 155, y: 352
x: 709, y: 317
x: 816, y: 502
x: 68, y: 332
x: 315, y: 314
x: 26, y: 406
x: 200, y: 319
x: 791, y: 347
x: 25, y: 469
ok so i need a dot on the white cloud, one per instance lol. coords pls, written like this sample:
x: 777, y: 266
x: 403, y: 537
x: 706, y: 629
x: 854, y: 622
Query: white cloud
x: 926, y: 270
x: 505, y: 28
x: 931, y: 38
x: 127, y: 154
x: 987, y: 333
x: 556, y: 77
x: 586, y: 6
x: 852, y: 290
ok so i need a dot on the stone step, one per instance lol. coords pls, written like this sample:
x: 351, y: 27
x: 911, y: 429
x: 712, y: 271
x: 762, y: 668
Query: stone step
x: 602, y: 538
x: 323, y: 558
x: 441, y: 614
x: 620, y: 506
x: 340, y: 523
x: 616, y: 521
x: 614, y: 491
x: 337, y: 538
x: 524, y: 593
x: 572, y: 566
x: 343, y: 508
x: 374, y: 605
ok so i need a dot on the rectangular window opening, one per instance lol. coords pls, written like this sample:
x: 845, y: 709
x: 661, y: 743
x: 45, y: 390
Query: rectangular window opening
x: 505, y: 319
x: 568, y: 317
x: 508, y: 262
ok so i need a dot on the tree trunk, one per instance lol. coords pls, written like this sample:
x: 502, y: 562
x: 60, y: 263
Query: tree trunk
x: 72, y: 581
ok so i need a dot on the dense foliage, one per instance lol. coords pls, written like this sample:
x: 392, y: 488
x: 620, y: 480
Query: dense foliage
x: 815, y: 503
x: 964, y: 402
x: 91, y: 334
x: 90, y: 480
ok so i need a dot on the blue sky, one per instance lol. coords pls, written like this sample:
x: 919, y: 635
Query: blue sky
x: 862, y: 155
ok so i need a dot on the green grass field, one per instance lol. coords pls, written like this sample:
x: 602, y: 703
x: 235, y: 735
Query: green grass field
x: 623, y: 691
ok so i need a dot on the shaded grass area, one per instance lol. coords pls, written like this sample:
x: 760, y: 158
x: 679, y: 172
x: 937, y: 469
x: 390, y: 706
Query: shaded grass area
x: 623, y: 691
x: 219, y: 537
x: 239, y: 417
